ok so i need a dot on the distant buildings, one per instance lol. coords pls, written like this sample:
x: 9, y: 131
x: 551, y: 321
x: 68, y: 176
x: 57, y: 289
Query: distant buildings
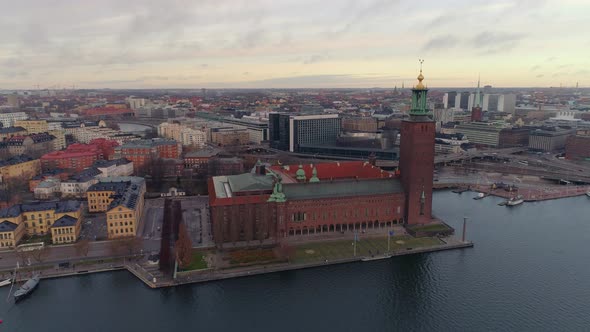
x: 79, y: 156
x: 577, y: 146
x: 549, y: 139
x: 183, y: 134
x: 19, y: 168
x: 34, y: 145
x: 8, y: 119
x: 143, y: 152
x: 482, y: 133
x: 291, y: 132
x: 229, y: 136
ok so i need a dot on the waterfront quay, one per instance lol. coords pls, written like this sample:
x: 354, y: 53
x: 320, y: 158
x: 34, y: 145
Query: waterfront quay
x: 302, y: 256
x: 219, y: 265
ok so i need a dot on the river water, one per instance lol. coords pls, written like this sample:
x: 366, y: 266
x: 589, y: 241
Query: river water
x: 528, y: 271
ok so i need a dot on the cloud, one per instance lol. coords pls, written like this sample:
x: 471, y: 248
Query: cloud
x: 315, y: 59
x: 540, y: 76
x: 535, y: 67
x: 440, y: 43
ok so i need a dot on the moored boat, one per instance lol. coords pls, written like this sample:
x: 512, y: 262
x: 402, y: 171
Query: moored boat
x: 5, y: 282
x: 588, y: 194
x: 516, y: 200
x: 375, y: 258
x: 27, y: 288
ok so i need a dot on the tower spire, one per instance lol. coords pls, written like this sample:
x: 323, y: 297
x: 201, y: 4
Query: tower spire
x: 477, y: 94
x: 419, y: 92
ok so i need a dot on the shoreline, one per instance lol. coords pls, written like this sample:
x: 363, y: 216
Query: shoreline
x: 207, y: 275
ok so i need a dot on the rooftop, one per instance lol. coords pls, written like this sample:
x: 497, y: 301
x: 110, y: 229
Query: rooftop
x: 58, y: 207
x: 342, y: 188
x: 7, y: 226
x: 15, y: 160
x: 65, y: 221
x: 333, y: 171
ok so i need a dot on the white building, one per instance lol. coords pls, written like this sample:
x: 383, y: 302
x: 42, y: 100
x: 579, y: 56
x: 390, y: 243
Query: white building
x: 136, y: 103
x: 47, y: 189
x: 7, y: 119
x: 117, y: 167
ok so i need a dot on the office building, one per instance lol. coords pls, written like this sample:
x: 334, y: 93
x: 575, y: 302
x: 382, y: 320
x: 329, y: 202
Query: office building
x: 291, y: 132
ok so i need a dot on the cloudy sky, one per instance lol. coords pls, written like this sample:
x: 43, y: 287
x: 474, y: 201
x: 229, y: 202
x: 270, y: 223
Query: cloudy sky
x: 292, y: 43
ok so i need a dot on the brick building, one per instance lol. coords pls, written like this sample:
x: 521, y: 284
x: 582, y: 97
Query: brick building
x: 269, y: 204
x: 578, y: 147
x: 34, y: 145
x: 79, y: 156
x: 514, y: 137
x: 142, y: 152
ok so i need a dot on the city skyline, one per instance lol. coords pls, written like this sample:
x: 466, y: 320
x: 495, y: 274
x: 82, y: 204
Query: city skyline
x: 292, y: 44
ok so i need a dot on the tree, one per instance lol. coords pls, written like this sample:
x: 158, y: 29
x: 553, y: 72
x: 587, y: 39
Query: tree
x: 184, y: 247
x: 131, y: 244
x: 40, y: 254
x: 82, y: 247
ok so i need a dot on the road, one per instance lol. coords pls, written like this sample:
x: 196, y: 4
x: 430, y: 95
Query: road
x: 150, y: 226
x: 66, y: 253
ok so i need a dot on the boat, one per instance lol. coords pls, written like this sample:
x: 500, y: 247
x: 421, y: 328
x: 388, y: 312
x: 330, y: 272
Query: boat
x: 516, y: 200
x: 375, y: 258
x: 5, y: 282
x: 27, y: 288
x: 460, y: 191
x: 588, y: 194
x: 480, y: 196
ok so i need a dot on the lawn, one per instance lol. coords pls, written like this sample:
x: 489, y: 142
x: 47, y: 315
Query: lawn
x: 330, y: 250
x: 249, y: 256
x: 198, y: 262
x: 430, y: 228
x: 37, y: 238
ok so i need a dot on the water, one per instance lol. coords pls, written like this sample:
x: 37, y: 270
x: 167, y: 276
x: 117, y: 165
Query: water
x: 132, y: 127
x: 528, y: 271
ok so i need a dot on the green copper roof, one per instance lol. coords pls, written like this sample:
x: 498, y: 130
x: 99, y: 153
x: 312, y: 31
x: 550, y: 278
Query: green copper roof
x: 314, y: 176
x: 347, y: 188
x: 300, y: 174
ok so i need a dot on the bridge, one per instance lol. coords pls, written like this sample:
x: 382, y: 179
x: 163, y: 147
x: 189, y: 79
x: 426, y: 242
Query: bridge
x: 458, y: 157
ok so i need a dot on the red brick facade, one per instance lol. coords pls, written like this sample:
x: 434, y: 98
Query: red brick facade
x: 417, y: 169
x: 79, y: 156
x: 577, y: 148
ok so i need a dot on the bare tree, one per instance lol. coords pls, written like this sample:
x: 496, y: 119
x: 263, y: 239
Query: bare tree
x: 40, y: 254
x: 184, y: 247
x: 82, y: 247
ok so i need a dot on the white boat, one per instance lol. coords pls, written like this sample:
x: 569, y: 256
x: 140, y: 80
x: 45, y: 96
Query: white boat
x: 5, y: 282
x: 515, y: 201
x: 375, y: 258
x: 588, y: 194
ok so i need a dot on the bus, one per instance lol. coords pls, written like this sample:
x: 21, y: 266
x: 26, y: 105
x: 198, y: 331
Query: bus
x: 30, y: 246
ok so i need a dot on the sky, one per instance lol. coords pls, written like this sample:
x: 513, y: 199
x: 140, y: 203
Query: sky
x: 292, y: 43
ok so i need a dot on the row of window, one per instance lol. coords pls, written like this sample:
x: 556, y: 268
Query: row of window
x: 65, y: 239
x: 47, y: 215
x: 302, y: 216
x: 6, y: 244
x: 68, y: 230
x: 123, y: 231
x: 114, y: 224
x: 120, y: 216
x: 6, y: 236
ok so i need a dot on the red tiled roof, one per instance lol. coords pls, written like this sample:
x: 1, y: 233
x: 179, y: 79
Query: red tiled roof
x: 336, y: 170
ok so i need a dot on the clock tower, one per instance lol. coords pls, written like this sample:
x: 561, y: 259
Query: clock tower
x: 416, y: 163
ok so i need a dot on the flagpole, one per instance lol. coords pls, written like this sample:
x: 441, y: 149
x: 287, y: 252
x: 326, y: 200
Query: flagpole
x: 354, y: 244
x: 389, y: 235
